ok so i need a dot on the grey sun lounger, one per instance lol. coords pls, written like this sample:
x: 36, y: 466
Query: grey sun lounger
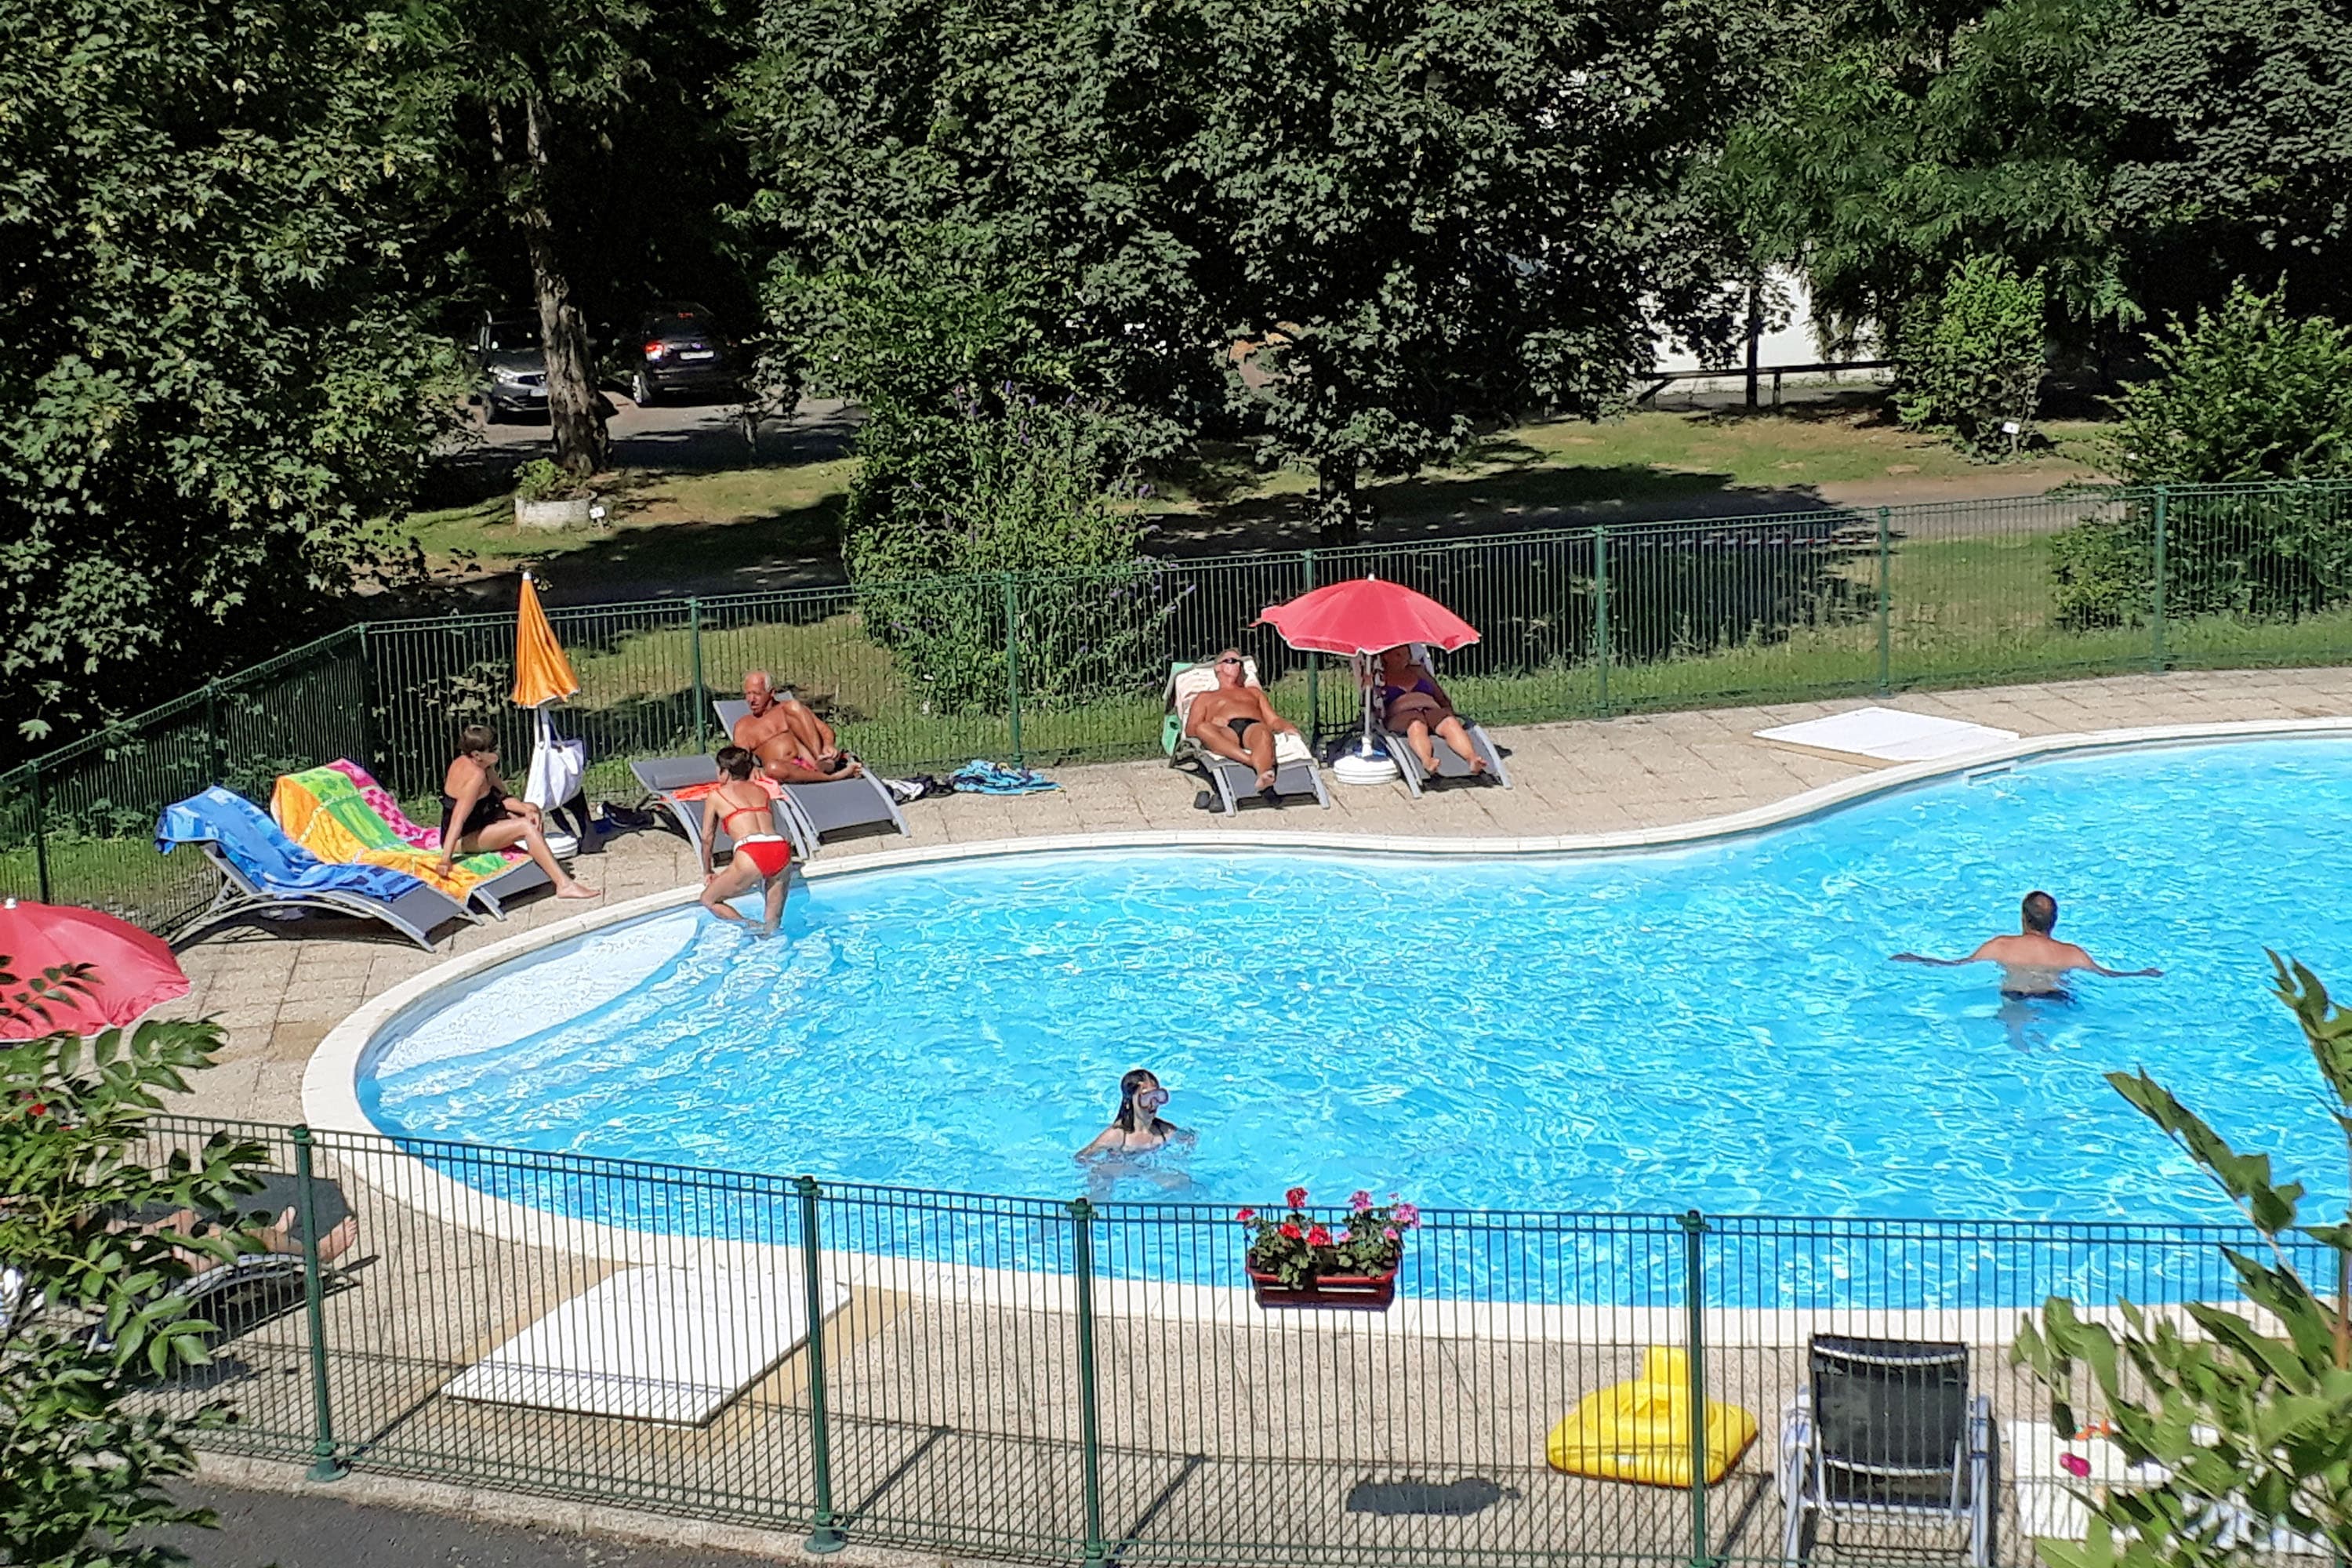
x: 662, y: 778
x: 1450, y: 764
x: 262, y: 871
x: 254, y: 1287
x: 1294, y: 775
x: 836, y: 806
x: 1885, y: 1431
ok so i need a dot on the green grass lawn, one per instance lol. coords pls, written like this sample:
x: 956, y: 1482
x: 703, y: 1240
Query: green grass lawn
x: 707, y: 523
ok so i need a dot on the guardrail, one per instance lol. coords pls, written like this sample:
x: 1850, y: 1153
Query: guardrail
x: 1040, y: 668
x: 1090, y: 1382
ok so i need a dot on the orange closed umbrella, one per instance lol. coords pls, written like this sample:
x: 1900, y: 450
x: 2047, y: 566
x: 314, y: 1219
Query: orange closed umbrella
x: 542, y: 674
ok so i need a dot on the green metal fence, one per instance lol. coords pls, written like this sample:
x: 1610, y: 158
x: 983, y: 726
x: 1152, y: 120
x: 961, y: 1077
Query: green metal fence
x: 1073, y: 1382
x: 1043, y: 670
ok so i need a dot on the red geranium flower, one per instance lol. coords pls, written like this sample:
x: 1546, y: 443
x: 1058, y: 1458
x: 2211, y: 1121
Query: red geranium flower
x: 1319, y: 1237
x: 1245, y: 1216
x: 1295, y: 1197
x: 1290, y: 1232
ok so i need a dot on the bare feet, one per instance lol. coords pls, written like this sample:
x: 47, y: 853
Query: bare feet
x: 577, y: 890
x: 1265, y: 781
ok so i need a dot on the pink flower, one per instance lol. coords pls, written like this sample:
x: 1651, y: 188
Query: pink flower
x: 1295, y: 1197
x: 1245, y: 1216
x: 1346, y: 1237
x: 1407, y: 1216
x: 2074, y: 1465
x: 1391, y: 1232
x: 1319, y: 1237
x: 1359, y: 1200
x: 1291, y: 1232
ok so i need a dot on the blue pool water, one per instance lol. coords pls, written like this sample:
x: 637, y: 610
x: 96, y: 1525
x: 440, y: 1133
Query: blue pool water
x: 1716, y: 1027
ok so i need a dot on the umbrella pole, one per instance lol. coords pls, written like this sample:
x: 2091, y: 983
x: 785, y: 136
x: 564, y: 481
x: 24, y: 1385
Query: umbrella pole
x: 1367, y: 762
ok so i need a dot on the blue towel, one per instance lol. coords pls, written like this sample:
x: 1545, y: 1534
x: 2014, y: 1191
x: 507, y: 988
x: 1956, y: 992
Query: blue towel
x: 978, y: 777
x: 270, y: 861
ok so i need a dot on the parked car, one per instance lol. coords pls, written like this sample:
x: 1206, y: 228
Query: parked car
x: 513, y: 367
x: 679, y: 349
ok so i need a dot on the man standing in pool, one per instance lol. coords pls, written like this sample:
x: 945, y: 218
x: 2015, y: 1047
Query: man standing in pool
x: 2034, y: 963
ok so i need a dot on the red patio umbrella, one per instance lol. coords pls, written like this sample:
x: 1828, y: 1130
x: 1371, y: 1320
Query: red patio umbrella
x: 1361, y: 616
x: 132, y: 970
x: 1364, y: 615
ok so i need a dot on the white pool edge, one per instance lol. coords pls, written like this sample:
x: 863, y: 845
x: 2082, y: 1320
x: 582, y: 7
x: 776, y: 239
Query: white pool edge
x: 330, y: 1104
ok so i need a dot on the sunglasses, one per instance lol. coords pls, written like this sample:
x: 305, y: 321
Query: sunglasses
x: 1229, y: 661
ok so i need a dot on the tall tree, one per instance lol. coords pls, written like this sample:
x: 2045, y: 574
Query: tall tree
x: 535, y: 96
x: 210, y: 371
x: 1429, y: 213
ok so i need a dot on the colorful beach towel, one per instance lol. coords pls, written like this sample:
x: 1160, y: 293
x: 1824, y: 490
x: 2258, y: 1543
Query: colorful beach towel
x: 323, y: 811
x: 268, y: 859
x: 379, y: 800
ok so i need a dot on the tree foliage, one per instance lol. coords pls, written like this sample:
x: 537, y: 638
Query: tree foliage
x: 211, y: 370
x: 81, y: 1469
x: 1973, y: 360
x: 2249, y: 1413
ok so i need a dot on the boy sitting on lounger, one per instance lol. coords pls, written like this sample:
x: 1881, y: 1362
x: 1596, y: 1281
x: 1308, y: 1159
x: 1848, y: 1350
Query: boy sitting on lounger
x: 1236, y: 722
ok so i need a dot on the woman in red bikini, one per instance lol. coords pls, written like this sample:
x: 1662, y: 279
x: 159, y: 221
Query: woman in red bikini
x: 745, y: 813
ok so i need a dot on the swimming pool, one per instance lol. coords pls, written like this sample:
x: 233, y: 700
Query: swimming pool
x: 1714, y: 1026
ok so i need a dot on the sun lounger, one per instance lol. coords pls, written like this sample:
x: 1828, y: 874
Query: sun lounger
x: 341, y: 816
x: 1885, y: 1431
x: 254, y: 1287
x: 677, y: 786
x: 1450, y: 764
x: 1295, y: 771
x: 837, y: 805
x: 263, y: 870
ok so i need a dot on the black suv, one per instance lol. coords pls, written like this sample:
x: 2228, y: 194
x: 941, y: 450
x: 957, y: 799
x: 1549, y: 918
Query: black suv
x: 680, y: 349
x: 513, y: 367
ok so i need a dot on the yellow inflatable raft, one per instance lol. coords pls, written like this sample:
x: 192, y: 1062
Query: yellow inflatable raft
x: 1640, y: 1431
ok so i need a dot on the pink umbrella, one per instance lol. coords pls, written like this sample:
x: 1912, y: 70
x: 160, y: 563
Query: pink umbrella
x: 1365, y: 614
x: 132, y: 972
x: 1361, y: 616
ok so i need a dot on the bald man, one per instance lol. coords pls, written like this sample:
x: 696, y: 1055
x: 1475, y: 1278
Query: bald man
x: 791, y: 744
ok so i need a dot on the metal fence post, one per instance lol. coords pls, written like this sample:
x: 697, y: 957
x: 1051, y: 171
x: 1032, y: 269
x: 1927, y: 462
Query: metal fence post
x: 367, y: 700
x: 826, y: 1535
x: 41, y: 833
x: 1694, y: 1364
x: 1013, y: 662
x: 1885, y: 601
x: 1601, y: 609
x: 1082, y: 1258
x: 701, y: 698
x: 324, y: 1465
x: 2155, y: 617
x: 1314, y: 668
x: 216, y: 738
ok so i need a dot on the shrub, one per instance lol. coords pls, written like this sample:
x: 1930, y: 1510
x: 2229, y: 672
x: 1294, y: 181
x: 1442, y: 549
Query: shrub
x: 540, y: 479
x: 81, y: 1467
x: 1972, y: 360
x: 2244, y: 394
x: 948, y: 509
x: 2250, y: 1413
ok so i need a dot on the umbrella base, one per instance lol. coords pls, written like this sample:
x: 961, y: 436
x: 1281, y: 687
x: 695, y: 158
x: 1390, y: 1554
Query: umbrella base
x: 1353, y: 767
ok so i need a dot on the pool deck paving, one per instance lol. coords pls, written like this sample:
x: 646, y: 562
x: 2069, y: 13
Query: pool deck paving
x: 1255, y: 1434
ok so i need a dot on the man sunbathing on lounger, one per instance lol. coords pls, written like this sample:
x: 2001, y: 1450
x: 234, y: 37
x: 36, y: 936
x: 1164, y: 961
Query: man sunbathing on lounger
x: 793, y: 744
x: 1236, y: 722
x: 2034, y: 964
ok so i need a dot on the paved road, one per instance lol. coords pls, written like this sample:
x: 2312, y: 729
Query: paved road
x: 310, y: 1531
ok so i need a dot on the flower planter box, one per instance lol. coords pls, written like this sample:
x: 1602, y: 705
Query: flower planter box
x: 1355, y: 1292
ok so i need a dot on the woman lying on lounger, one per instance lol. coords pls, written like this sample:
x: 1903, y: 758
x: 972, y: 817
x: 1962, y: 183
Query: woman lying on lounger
x: 1416, y: 707
x: 744, y: 811
x: 478, y: 814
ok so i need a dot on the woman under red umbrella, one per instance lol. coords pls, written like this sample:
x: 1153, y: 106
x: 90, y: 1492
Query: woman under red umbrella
x: 1416, y: 706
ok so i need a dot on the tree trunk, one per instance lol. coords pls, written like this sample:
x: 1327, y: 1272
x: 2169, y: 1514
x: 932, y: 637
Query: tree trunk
x: 576, y: 409
x: 1337, y: 517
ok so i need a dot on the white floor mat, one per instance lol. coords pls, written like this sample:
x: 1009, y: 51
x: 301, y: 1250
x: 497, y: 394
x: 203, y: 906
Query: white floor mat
x: 652, y: 1345
x: 1890, y: 735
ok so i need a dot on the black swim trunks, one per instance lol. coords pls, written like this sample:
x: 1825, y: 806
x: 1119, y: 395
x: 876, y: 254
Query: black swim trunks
x: 1241, y: 727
